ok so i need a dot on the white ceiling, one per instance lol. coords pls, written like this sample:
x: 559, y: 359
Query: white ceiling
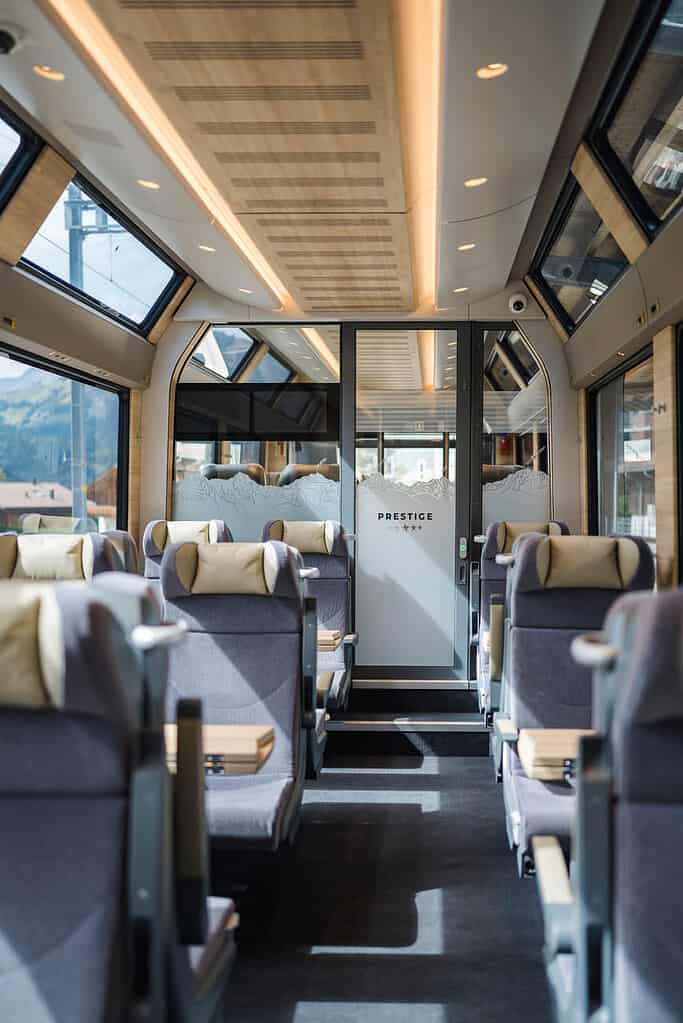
x: 502, y: 129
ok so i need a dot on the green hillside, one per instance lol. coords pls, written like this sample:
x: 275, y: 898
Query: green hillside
x: 35, y: 428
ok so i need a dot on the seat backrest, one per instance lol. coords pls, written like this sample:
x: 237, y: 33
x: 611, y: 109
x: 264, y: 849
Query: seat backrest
x: 293, y: 472
x: 645, y: 753
x: 49, y: 557
x: 322, y: 546
x: 561, y: 587
x: 34, y: 522
x: 253, y: 470
x: 244, y: 606
x: 65, y: 746
x: 126, y: 548
x: 161, y: 532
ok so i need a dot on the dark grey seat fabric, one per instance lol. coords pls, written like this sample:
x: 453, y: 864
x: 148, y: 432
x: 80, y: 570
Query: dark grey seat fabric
x: 160, y: 532
x: 500, y: 538
x: 322, y: 546
x: 561, y: 587
x: 126, y: 548
x: 244, y: 659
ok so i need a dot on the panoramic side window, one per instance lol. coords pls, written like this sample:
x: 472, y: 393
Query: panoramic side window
x: 59, y: 451
x: 515, y: 483
x: 85, y: 247
x: 257, y: 428
x: 625, y: 461
x: 646, y: 131
x: 581, y: 262
x: 18, y: 148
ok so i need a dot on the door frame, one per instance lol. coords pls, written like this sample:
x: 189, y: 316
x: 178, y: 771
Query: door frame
x: 468, y: 474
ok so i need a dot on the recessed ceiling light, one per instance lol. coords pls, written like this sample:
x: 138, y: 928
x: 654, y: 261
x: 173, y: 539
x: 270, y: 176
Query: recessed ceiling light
x: 467, y: 246
x: 458, y: 291
x: 45, y: 71
x: 245, y: 291
x: 146, y: 183
x: 492, y: 70
x: 475, y: 182
x: 621, y: 354
x: 206, y: 248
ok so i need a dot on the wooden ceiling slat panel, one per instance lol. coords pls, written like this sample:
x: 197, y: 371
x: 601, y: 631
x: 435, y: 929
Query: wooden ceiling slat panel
x: 290, y: 113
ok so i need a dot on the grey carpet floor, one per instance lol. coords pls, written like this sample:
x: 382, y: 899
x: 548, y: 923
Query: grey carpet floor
x: 398, y: 903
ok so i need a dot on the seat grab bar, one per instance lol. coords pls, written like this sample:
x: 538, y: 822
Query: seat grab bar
x: 593, y: 651
x: 309, y: 573
x: 148, y: 637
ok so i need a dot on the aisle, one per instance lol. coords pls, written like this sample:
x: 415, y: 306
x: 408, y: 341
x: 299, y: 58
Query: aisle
x: 399, y: 903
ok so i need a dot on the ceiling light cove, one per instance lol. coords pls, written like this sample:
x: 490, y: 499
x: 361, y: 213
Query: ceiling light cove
x: 492, y: 71
x: 467, y: 246
x: 475, y: 182
x: 45, y: 71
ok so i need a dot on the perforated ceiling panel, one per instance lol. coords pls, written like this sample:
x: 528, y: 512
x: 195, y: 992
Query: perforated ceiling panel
x: 291, y: 107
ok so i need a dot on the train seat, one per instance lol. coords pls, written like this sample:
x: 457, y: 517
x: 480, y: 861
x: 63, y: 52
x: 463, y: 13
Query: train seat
x: 35, y: 522
x: 253, y: 470
x: 293, y: 472
x: 561, y: 588
x: 250, y: 656
x: 161, y: 532
x: 126, y: 548
x: 322, y: 546
x: 56, y: 556
x: 500, y: 537
x: 618, y: 925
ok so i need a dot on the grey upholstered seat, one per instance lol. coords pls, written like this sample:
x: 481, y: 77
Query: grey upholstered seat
x: 500, y: 537
x: 126, y: 548
x: 322, y: 546
x: 47, y: 557
x: 246, y: 659
x: 85, y: 810
x: 160, y: 532
x: 560, y: 588
x: 621, y: 920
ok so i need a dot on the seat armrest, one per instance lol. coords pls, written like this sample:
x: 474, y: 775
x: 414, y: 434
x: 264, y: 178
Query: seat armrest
x: 190, y: 832
x: 504, y: 729
x: 557, y: 899
x: 351, y: 639
x: 309, y: 573
x: 309, y: 662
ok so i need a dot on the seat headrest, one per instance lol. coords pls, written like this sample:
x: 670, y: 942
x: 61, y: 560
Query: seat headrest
x: 34, y: 522
x: 293, y: 472
x: 161, y: 532
x: 31, y: 649
x: 126, y: 548
x: 500, y: 536
x: 56, y: 556
x: 308, y: 537
x: 255, y: 569
x: 253, y: 470
x: 583, y: 562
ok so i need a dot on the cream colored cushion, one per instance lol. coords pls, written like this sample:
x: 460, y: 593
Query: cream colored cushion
x: 308, y: 537
x: 231, y: 568
x: 21, y: 677
x: 36, y: 523
x: 181, y: 532
x: 53, y: 556
x: 628, y: 557
x: 509, y: 531
x: 496, y: 640
x: 579, y: 562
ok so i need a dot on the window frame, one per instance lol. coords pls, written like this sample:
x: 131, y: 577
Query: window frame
x: 178, y: 275
x: 642, y: 355
x: 22, y: 160
x: 560, y: 216
x: 278, y: 358
x: 123, y: 444
x: 639, y: 39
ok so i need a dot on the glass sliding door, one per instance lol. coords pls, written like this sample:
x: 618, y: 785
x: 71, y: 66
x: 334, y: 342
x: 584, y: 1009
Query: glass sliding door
x: 408, y: 505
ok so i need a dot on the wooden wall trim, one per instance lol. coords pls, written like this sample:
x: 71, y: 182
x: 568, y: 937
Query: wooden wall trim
x: 177, y: 299
x: 619, y: 220
x: 547, y: 309
x: 134, y: 463
x: 583, y: 460
x: 666, y: 456
x: 33, y: 200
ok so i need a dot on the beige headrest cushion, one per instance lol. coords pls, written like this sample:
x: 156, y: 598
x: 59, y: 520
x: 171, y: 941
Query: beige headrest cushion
x: 244, y: 568
x: 509, y: 531
x: 31, y: 649
x: 37, y: 523
x: 46, y: 556
x: 309, y: 537
x: 184, y: 531
x: 586, y: 562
